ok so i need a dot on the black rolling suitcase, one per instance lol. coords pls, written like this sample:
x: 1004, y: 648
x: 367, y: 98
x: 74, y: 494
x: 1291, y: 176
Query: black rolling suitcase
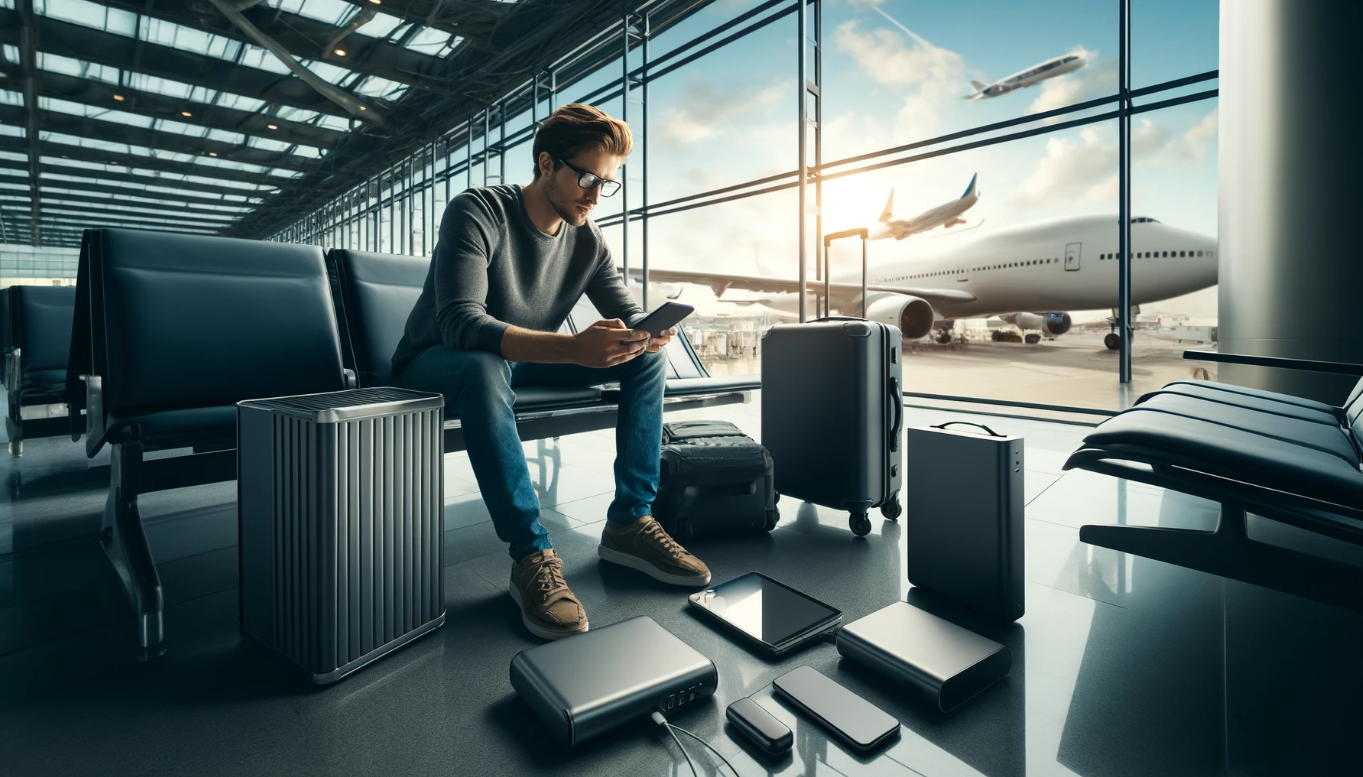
x: 714, y: 480
x: 832, y: 414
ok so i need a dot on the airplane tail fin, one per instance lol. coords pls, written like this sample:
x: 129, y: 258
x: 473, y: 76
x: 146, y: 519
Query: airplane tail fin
x: 969, y: 190
x: 888, y: 213
x: 980, y: 86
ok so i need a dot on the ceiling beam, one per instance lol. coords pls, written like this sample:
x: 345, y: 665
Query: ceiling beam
x: 91, y: 194
x: 106, y: 48
x: 196, y: 219
x: 28, y: 58
x: 50, y: 148
x: 75, y: 222
x: 160, y: 106
x: 213, y: 192
x: 162, y: 140
x: 303, y: 37
x: 472, y: 19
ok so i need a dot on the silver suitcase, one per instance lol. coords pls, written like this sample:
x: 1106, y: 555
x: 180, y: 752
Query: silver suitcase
x: 964, y: 516
x: 341, y: 525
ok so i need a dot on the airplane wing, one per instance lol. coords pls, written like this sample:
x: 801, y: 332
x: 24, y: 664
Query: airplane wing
x: 721, y: 283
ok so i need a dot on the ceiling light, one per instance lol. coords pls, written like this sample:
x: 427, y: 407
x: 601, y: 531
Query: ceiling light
x: 363, y: 108
x: 186, y: 113
x: 376, y: 2
x: 113, y: 163
x: 272, y: 126
x: 339, y: 52
x: 212, y: 153
x: 118, y: 97
x: 64, y: 156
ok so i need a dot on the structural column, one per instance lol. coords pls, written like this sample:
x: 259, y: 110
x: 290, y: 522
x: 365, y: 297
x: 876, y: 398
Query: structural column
x: 1290, y: 161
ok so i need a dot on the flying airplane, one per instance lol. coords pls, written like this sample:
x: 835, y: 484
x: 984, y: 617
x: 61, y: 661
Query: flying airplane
x: 1051, y: 68
x: 1032, y: 273
x: 947, y: 215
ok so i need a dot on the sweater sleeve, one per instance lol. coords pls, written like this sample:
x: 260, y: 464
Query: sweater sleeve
x: 608, y: 292
x: 468, y: 238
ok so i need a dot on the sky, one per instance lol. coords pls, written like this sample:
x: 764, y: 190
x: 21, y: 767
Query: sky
x: 894, y: 72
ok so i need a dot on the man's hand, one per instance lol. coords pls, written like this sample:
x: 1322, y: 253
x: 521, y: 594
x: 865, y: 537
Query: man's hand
x: 656, y: 344
x: 608, y: 343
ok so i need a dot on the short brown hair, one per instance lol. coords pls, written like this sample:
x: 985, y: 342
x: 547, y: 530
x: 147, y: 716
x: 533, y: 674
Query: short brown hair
x: 578, y: 127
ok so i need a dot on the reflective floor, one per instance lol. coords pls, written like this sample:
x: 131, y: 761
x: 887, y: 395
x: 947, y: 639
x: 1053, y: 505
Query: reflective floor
x: 1122, y: 666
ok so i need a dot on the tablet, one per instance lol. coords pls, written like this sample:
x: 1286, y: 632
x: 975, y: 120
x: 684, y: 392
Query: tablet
x: 771, y: 616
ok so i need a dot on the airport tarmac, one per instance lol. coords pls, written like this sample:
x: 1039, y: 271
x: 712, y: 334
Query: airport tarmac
x: 1073, y: 370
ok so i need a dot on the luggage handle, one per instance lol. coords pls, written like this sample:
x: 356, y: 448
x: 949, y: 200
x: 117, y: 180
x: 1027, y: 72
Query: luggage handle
x: 836, y: 318
x: 898, y: 402
x: 992, y: 433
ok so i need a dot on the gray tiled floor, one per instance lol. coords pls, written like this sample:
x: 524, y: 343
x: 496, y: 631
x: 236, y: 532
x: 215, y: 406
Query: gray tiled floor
x: 1122, y: 666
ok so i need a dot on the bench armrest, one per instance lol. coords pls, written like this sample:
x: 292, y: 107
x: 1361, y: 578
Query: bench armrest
x: 94, y: 414
x: 14, y: 380
x: 1308, y: 365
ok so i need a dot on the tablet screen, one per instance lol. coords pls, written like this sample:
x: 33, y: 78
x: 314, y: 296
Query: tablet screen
x: 764, y: 608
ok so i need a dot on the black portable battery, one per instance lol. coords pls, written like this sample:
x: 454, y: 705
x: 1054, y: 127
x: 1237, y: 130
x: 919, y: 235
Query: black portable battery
x: 964, y: 516
x: 934, y: 659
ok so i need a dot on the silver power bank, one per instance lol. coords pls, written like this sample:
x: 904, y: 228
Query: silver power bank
x: 585, y: 686
x: 936, y: 660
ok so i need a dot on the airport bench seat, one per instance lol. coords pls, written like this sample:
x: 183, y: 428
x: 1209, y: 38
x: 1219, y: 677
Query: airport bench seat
x: 1284, y: 458
x: 375, y: 294
x: 170, y: 332
x: 37, y: 343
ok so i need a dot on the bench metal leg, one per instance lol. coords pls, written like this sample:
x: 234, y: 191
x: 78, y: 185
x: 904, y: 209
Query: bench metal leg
x: 1228, y: 551
x: 14, y: 417
x: 126, y: 545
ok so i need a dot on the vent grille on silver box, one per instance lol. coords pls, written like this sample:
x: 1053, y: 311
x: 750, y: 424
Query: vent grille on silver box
x: 341, y: 528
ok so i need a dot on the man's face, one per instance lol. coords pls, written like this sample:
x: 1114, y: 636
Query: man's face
x: 573, y: 203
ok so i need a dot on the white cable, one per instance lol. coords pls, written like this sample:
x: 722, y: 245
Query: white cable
x: 712, y: 749
x: 662, y: 721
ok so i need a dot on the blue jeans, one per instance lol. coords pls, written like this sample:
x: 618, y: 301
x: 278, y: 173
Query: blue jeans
x: 478, y: 387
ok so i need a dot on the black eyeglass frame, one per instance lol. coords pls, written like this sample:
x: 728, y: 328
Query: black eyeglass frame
x: 608, y: 186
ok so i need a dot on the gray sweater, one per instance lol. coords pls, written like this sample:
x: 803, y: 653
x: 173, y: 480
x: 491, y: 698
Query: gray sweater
x: 493, y: 268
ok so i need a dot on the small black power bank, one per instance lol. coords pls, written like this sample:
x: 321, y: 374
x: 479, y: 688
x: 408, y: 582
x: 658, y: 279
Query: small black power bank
x: 760, y: 726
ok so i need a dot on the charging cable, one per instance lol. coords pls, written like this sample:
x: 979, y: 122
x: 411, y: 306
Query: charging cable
x: 671, y: 729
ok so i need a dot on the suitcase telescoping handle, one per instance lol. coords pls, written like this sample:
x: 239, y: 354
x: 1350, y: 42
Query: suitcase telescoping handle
x: 828, y: 241
x: 991, y: 432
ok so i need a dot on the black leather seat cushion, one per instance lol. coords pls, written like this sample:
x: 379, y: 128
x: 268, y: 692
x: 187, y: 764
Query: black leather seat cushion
x: 45, y: 315
x: 380, y: 291
x: 196, y: 322
x: 540, y: 397
x: 1200, y: 387
x: 1283, y: 405
x: 1327, y: 438
x: 174, y: 428
x: 44, y: 383
x: 1231, y: 452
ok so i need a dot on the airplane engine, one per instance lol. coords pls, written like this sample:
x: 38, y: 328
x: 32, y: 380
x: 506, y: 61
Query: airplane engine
x: 913, y: 315
x: 1054, y: 324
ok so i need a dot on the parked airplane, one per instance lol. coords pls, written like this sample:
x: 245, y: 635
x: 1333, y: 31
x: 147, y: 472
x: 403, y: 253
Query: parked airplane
x: 1051, y: 68
x: 1041, y: 269
x: 947, y: 215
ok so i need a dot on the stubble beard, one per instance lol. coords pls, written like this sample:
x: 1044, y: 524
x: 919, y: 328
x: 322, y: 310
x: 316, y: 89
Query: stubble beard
x: 569, y: 214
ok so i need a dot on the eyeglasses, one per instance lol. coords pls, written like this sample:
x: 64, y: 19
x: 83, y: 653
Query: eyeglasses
x: 588, y: 180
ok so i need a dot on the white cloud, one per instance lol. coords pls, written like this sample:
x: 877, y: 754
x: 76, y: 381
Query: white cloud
x: 1198, y: 138
x: 1084, y: 170
x: 703, y: 109
x: 1096, y: 79
x: 930, y: 74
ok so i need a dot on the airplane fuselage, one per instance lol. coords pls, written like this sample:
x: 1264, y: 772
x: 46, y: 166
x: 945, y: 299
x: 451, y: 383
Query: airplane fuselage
x: 1051, y: 68
x: 1058, y: 265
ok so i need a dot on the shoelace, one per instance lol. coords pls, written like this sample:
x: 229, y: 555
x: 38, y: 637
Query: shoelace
x: 549, y: 576
x: 656, y: 532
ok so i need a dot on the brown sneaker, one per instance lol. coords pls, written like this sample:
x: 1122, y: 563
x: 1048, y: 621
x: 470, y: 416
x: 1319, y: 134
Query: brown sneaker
x: 548, y: 609
x: 643, y: 545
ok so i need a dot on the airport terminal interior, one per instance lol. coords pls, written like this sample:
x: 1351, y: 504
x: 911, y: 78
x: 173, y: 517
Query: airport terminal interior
x: 1109, y: 242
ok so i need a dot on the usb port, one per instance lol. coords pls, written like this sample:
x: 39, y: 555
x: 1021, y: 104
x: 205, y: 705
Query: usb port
x: 691, y: 696
x: 681, y: 700
x: 671, y: 702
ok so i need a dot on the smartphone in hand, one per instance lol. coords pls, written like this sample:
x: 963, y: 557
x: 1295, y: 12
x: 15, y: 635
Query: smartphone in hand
x: 664, y: 318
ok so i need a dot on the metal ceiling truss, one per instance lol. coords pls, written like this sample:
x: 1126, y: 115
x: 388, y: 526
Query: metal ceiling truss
x: 510, y: 55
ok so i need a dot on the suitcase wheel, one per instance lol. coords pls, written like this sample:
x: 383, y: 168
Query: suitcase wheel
x: 892, y: 509
x: 860, y: 523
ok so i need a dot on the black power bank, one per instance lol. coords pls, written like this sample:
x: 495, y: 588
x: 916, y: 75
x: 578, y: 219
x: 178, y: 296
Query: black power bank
x: 759, y: 726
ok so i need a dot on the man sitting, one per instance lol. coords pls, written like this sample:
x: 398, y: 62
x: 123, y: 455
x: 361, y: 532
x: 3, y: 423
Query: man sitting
x: 509, y: 265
